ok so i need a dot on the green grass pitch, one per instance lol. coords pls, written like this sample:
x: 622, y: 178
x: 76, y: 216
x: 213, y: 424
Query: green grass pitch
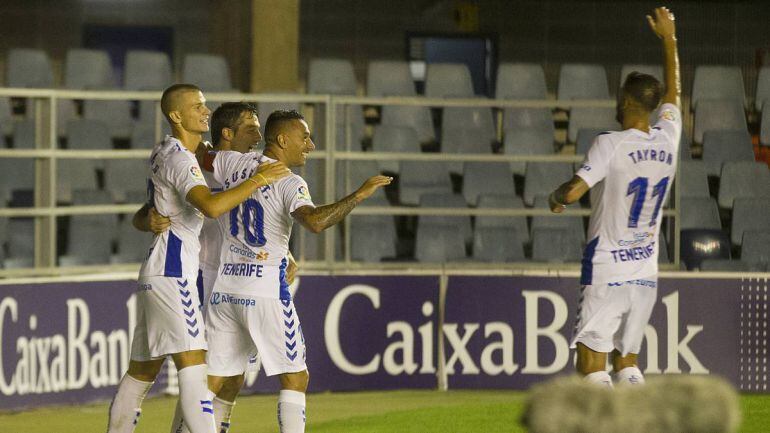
x: 370, y: 412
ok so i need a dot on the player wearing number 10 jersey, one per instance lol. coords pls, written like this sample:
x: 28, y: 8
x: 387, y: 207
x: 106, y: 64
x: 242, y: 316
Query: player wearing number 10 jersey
x: 250, y: 308
x: 620, y: 264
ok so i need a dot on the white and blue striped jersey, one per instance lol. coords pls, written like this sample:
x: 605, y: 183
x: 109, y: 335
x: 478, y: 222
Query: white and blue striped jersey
x: 174, y: 172
x: 638, y: 170
x: 256, y: 234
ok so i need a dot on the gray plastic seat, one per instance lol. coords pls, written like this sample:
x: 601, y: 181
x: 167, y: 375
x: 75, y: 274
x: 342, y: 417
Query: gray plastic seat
x: 555, y: 245
x: 520, y: 81
x: 590, y: 118
x: 372, y: 237
x: 464, y: 140
x: 389, y: 138
x: 264, y: 109
x: 115, y: 114
x: 24, y: 134
x: 389, y: 78
x: 133, y: 245
x: 461, y: 224
x: 351, y: 175
x: 756, y: 247
x: 88, y: 134
x: 654, y: 70
x: 717, y: 82
x: 448, y: 80
x: 718, y: 115
x: 574, y: 224
x: 693, y: 179
x: 92, y: 196
x: 30, y: 68
x: 585, y: 138
x: 438, y: 244
x: 422, y: 177
x: 528, y: 118
x: 418, y: 118
x: 6, y: 116
x: 743, y: 179
x: 542, y: 178
x: 331, y: 76
x: 725, y: 265
x: 481, y: 178
x: 124, y: 175
x: 21, y: 238
x: 144, y: 137
x: 90, y: 238
x: 350, y: 127
x: 147, y: 70
x: 700, y: 213
x: 764, y: 129
x: 527, y: 142
x: 763, y: 89
x: 749, y: 214
x: 470, y: 117
x: 720, y: 147
x: 503, y: 201
x: 16, y: 174
x: 88, y: 69
x: 583, y: 81
x: 207, y: 71
x: 73, y: 174
x: 497, y: 244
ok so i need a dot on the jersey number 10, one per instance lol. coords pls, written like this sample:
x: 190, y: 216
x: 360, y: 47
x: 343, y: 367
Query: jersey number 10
x: 252, y: 220
x: 638, y: 188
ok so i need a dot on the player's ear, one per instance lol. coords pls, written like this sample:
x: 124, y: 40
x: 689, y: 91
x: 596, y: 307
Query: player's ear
x: 281, y: 140
x: 175, y: 116
x: 228, y: 134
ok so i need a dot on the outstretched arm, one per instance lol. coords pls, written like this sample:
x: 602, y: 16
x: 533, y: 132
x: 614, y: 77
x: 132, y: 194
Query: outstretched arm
x: 320, y: 218
x: 567, y: 193
x: 663, y: 26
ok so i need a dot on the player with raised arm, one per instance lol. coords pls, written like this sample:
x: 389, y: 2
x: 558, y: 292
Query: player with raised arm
x: 620, y: 262
x: 251, y: 308
x: 168, y: 320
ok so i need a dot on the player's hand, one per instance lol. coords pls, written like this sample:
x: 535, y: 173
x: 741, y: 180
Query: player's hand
x: 291, y: 270
x: 555, y: 206
x: 371, y: 185
x: 157, y: 222
x: 271, y: 172
x: 663, y: 23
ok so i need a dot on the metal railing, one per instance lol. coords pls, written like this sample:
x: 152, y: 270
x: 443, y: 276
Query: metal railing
x: 47, y: 153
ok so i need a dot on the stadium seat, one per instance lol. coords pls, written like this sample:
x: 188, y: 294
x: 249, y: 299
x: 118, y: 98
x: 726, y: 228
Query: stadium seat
x: 6, y: 118
x: 763, y: 88
x: 756, y: 247
x: 585, y: 138
x: 654, y: 70
x: 720, y: 147
x: 350, y: 175
x: 582, y: 81
x: 701, y: 244
x: 520, y: 81
x: 503, y: 201
x: 464, y: 140
x: 573, y: 224
x: 663, y: 256
x: 30, y: 68
x: 717, y: 82
x: 90, y: 239
x: 725, y: 265
x: 743, y: 179
x: 389, y: 78
x: 542, y: 178
x: 764, y: 130
x: 124, y: 175
x: 143, y: 137
x: 132, y: 244
x: 88, y: 69
x: 264, y: 109
x: 699, y: 213
x: 718, y: 115
x: 460, y: 224
x: 555, y: 245
x: 527, y: 142
x: 528, y: 118
x: 693, y: 180
x: 115, y: 114
x: 372, y: 237
x: 207, y: 71
x: 147, y: 70
x: 350, y: 127
x: 15, y: 174
x: 417, y: 117
x: 590, y: 118
x: 331, y: 76
x: 448, y: 80
x: 486, y: 178
x: 74, y: 174
x: 497, y: 244
x: 438, y: 244
x: 749, y: 214
x: 24, y: 134
x: 88, y: 134
x: 21, y: 239
x: 470, y: 117
x: 390, y: 138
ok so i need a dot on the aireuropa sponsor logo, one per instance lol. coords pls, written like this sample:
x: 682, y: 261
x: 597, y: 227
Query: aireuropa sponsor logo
x: 224, y: 298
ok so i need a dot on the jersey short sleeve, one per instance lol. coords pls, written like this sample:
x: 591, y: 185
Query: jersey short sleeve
x: 226, y: 162
x: 296, y: 193
x: 184, y: 173
x: 597, y: 161
x: 670, y: 122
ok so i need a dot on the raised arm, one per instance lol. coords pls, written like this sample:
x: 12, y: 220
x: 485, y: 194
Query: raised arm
x: 663, y: 26
x: 318, y: 219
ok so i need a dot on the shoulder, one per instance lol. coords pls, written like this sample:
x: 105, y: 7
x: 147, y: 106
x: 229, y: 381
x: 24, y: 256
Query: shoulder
x: 291, y: 181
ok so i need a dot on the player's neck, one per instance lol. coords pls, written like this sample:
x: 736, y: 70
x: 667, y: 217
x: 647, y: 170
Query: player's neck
x: 190, y: 140
x: 641, y: 123
x: 271, y: 153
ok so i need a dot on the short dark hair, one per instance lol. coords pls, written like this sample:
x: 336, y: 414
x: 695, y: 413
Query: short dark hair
x: 644, y: 89
x: 277, y: 120
x: 170, y: 96
x: 227, y: 115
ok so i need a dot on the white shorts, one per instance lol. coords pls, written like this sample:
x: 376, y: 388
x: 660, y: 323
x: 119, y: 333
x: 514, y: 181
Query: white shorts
x: 168, y: 318
x: 614, y: 315
x: 240, y: 326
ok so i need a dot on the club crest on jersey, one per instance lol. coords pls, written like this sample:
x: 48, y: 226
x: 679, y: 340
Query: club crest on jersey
x: 195, y: 172
x: 262, y: 256
x: 303, y: 193
x: 668, y: 115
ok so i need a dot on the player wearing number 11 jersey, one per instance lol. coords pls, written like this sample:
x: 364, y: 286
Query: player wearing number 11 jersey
x: 250, y: 309
x: 620, y: 263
